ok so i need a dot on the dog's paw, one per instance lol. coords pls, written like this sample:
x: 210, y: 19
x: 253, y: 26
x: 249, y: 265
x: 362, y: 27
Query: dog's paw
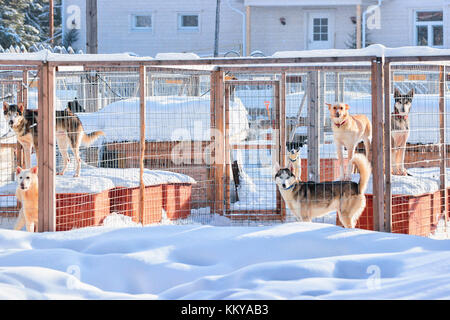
x: 404, y: 173
x: 60, y: 173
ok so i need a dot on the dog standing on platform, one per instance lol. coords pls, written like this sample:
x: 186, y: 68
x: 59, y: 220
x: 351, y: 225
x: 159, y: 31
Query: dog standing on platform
x: 400, y: 130
x: 27, y: 194
x: 68, y: 131
x: 348, y: 131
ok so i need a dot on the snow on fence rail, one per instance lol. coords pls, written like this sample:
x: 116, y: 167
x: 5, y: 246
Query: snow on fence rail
x: 220, y: 124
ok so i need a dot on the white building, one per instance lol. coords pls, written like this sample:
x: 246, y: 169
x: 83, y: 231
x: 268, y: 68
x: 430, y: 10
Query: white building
x: 148, y: 27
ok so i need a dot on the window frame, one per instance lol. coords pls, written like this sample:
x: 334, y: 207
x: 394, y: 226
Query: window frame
x: 133, y: 26
x: 182, y: 28
x: 430, y: 26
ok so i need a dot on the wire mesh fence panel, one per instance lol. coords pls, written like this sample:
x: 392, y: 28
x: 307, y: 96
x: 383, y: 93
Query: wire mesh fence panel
x: 97, y: 128
x: 170, y: 145
x: 12, y: 93
x: 419, y: 135
x: 252, y: 123
x: 311, y: 102
x: 179, y: 127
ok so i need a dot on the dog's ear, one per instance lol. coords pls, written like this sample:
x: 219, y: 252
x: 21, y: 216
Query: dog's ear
x: 329, y: 105
x: 275, y: 168
x: 397, y: 93
x: 5, y: 106
x: 18, y: 170
x: 411, y: 93
x: 346, y: 106
x: 20, y: 107
x: 34, y: 170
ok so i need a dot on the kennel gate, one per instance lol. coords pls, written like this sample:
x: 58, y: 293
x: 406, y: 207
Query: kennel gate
x: 257, y: 198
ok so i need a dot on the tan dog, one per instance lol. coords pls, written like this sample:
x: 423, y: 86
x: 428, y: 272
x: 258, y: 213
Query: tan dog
x: 348, y: 131
x: 308, y: 200
x: 27, y: 194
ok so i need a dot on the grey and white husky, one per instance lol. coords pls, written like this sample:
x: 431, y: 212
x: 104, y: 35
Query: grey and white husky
x: 400, y: 130
x: 308, y: 200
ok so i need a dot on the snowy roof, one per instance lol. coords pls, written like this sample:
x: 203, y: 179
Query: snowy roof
x: 376, y: 50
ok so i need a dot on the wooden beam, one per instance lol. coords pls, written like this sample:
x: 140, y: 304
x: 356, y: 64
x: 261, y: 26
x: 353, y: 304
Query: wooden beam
x: 91, y: 26
x: 291, y: 68
x: 142, y: 112
x: 46, y: 154
x: 24, y: 87
x: 387, y: 149
x: 203, y: 61
x: 377, y: 144
x: 253, y: 82
x: 313, y: 127
x: 212, y: 113
x: 358, y: 27
x: 281, y: 97
x: 442, y: 142
x: 51, y: 20
x: 248, y: 30
x: 227, y: 148
x: 219, y: 142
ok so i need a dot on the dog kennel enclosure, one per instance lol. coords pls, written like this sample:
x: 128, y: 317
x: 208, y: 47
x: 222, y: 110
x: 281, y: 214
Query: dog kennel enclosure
x: 195, y: 140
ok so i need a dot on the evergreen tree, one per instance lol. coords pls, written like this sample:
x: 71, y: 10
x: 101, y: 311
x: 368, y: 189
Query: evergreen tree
x: 13, y: 29
x: 38, y: 16
x: 351, y: 42
x: 26, y: 22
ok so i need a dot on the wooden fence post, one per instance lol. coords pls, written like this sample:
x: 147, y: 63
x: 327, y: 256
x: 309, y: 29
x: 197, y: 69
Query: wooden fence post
x: 313, y: 127
x: 387, y: 149
x: 281, y: 104
x: 227, y: 149
x: 377, y: 144
x: 142, y: 112
x: 46, y: 154
x: 219, y: 146
x: 442, y: 142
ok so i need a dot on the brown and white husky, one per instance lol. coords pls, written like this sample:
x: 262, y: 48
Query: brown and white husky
x: 69, y: 132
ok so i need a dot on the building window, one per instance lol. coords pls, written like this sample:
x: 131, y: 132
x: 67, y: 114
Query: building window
x: 141, y: 22
x: 320, y: 31
x: 188, y: 21
x: 429, y: 28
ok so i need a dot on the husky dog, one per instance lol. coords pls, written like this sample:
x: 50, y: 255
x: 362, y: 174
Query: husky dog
x: 308, y: 200
x: 400, y: 130
x: 348, y: 131
x: 69, y: 132
x: 27, y: 194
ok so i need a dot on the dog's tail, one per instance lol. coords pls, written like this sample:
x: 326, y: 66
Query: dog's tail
x: 364, y: 169
x: 89, y: 138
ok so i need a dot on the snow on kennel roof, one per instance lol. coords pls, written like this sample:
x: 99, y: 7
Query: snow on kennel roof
x: 191, y: 61
x: 376, y: 50
x: 169, y: 118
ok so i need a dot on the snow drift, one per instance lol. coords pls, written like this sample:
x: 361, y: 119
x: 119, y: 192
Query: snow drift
x: 289, y: 261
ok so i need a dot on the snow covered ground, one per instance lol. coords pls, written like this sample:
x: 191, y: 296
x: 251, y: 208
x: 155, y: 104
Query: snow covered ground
x: 285, y: 261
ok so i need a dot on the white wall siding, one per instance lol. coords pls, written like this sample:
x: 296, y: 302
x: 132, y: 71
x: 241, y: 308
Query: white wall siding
x: 397, y: 22
x: 269, y: 35
x: 116, y: 35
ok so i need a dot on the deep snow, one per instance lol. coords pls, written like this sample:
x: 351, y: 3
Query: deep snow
x: 285, y: 261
